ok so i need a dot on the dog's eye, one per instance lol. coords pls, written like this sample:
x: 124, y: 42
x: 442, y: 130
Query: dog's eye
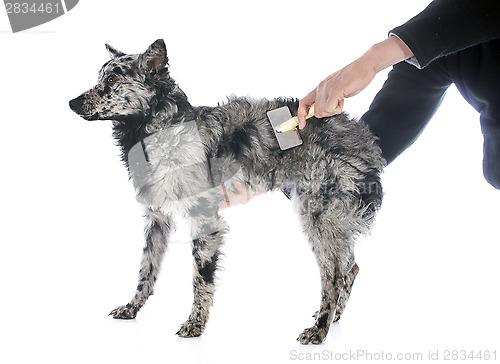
x: 110, y: 80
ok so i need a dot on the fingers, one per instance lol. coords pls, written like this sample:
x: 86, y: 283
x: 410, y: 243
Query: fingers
x: 229, y: 198
x: 329, y: 107
x: 241, y: 188
x: 329, y: 97
x: 241, y: 196
x: 304, y: 105
x: 224, y: 204
x: 339, y: 108
x: 327, y: 100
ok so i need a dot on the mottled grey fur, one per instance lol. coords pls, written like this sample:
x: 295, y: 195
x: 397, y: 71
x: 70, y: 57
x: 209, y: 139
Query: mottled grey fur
x: 334, y: 177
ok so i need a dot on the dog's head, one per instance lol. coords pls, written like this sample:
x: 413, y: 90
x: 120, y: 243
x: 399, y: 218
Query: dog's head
x: 126, y: 87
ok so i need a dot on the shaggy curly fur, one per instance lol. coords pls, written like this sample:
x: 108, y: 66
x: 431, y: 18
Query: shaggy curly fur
x: 179, y: 155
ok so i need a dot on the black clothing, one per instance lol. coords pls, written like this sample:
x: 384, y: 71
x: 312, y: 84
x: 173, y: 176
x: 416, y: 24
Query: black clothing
x: 449, y: 26
x: 404, y: 106
x: 411, y: 96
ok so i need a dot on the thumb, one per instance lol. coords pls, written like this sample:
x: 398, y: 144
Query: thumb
x: 304, y: 105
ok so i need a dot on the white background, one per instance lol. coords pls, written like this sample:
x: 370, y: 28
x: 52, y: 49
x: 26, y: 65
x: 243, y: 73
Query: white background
x: 71, y: 230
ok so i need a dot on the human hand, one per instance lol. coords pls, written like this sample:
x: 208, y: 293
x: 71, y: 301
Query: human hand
x: 328, y: 97
x: 242, y: 196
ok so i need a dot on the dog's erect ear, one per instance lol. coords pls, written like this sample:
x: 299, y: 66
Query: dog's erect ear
x: 154, y: 59
x: 113, y: 53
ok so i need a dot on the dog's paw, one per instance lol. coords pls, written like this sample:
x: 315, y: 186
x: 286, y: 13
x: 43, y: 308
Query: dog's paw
x: 126, y: 312
x: 312, y: 335
x: 190, y: 329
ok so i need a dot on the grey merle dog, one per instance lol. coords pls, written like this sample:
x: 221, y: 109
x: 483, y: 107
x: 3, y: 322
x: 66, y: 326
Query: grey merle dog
x: 333, y: 177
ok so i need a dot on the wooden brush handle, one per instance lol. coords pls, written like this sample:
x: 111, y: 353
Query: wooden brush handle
x: 294, y: 122
x: 310, y: 114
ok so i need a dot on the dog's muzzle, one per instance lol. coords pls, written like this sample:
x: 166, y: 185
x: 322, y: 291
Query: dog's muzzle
x: 77, y: 105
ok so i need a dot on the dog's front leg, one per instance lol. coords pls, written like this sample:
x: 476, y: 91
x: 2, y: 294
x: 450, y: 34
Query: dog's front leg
x: 346, y: 291
x: 157, y: 231
x: 206, y: 253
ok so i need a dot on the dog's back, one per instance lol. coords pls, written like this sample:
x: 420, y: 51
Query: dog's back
x: 338, y: 156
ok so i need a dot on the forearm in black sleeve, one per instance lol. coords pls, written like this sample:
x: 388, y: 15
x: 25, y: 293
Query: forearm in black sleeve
x: 448, y: 26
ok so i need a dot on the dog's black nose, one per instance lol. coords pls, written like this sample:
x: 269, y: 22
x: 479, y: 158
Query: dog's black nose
x: 76, y: 104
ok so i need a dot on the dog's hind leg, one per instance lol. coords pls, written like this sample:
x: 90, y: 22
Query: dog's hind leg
x: 206, y: 254
x: 156, y: 232
x: 331, y: 240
